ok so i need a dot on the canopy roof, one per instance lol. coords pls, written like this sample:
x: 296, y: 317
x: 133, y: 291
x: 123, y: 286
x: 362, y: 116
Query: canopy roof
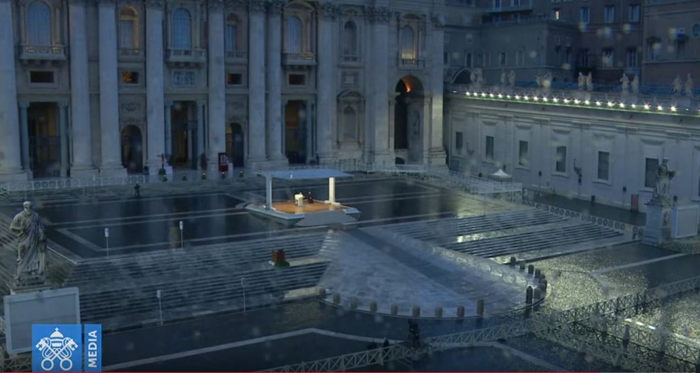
x: 304, y: 174
x: 500, y: 174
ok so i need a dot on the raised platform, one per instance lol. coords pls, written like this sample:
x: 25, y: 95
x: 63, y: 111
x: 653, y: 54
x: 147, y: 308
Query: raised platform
x: 289, y: 213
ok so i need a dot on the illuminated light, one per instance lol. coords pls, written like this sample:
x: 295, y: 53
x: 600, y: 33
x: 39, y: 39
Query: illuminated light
x: 611, y: 104
x: 660, y: 108
x: 566, y: 100
x: 535, y: 98
x: 526, y: 98
x: 491, y: 95
x: 598, y: 103
x: 508, y: 97
x: 577, y: 101
x: 622, y: 105
x: 647, y: 107
x: 634, y: 106
x: 556, y: 100
x: 628, y: 320
x: 517, y: 97
x: 469, y: 93
x: 545, y: 99
x: 651, y: 327
x: 500, y: 95
x: 639, y: 323
x: 483, y: 94
x: 587, y: 102
x: 673, y: 109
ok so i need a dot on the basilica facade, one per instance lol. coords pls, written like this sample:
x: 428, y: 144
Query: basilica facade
x: 106, y: 87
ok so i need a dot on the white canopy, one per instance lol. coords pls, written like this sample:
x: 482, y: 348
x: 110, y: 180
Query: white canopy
x: 500, y: 175
x: 304, y: 174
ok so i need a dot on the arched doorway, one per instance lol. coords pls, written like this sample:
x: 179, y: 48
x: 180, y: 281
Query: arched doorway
x: 132, y: 149
x: 235, y: 144
x: 464, y: 77
x: 44, y: 139
x: 408, y: 120
x: 295, y: 120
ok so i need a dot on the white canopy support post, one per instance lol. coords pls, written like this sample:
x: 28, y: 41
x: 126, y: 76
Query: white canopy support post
x: 331, y: 189
x: 268, y: 192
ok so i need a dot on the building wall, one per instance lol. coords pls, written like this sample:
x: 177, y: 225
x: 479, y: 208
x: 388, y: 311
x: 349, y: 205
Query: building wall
x: 254, y: 96
x: 672, y: 30
x: 628, y: 137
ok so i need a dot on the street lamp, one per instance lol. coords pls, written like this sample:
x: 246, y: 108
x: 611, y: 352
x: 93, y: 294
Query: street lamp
x: 160, y: 307
x: 107, y: 240
x: 243, y: 287
x: 182, y: 241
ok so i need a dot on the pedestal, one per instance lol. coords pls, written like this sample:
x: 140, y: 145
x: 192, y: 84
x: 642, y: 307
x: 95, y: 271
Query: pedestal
x: 658, y: 223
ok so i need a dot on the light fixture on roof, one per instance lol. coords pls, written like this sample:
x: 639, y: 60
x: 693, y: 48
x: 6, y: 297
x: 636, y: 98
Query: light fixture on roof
x: 647, y: 106
x: 673, y: 109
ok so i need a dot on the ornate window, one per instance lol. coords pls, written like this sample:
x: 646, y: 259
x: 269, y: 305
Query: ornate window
x: 349, y: 129
x: 182, y: 29
x: 293, y: 41
x: 408, y: 44
x: 350, y: 41
x: 128, y: 28
x: 38, y: 23
x: 232, y: 34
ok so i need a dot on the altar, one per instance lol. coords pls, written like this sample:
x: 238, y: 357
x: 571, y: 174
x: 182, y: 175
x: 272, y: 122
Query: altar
x: 303, y: 210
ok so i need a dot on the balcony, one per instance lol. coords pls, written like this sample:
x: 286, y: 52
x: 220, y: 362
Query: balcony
x: 520, y: 6
x: 187, y: 56
x: 130, y: 53
x: 236, y: 57
x: 299, y: 59
x: 411, y: 63
x: 42, y: 52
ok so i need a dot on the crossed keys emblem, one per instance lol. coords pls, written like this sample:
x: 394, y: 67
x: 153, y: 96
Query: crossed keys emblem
x: 55, y: 347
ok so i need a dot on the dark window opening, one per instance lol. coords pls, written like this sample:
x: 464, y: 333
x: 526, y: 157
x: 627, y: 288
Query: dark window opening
x: 41, y: 76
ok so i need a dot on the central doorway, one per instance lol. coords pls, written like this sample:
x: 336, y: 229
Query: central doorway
x: 184, y: 135
x: 235, y: 145
x: 132, y: 149
x: 295, y: 124
x: 408, y: 120
x: 44, y: 139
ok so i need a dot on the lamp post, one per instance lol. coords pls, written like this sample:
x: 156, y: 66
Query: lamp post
x: 160, y: 307
x: 107, y: 240
x: 182, y: 241
x: 243, y: 287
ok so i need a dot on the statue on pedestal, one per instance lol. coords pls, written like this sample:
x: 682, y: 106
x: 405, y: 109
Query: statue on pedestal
x: 504, y: 78
x: 31, y: 247
x: 663, y: 180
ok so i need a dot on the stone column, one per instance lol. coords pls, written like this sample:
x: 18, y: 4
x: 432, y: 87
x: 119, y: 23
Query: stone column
x: 378, y: 106
x: 326, y: 82
x: 10, y: 152
x: 200, y: 147
x: 256, y: 84
x: 275, y: 124
x: 109, y: 95
x: 168, y: 130
x: 24, y: 135
x: 436, y: 150
x: 154, y: 85
x: 63, y: 132
x: 217, y: 89
x: 80, y: 92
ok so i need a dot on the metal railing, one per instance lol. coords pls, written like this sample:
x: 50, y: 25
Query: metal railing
x: 69, y: 183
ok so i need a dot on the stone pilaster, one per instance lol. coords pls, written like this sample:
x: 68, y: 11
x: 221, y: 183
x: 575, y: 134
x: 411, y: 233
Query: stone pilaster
x: 10, y: 151
x: 217, y: 89
x: 81, y: 128
x: 109, y: 96
x: 154, y: 85
x: 378, y: 100
x: 275, y: 124
x: 436, y: 156
x: 257, y: 156
x: 326, y: 82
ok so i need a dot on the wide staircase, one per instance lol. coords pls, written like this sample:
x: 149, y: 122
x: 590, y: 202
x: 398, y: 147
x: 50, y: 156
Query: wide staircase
x: 505, y: 233
x: 122, y: 291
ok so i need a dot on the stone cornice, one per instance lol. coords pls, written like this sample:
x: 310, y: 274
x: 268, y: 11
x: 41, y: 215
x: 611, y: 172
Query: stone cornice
x: 76, y: 2
x: 328, y: 10
x: 155, y: 4
x: 378, y: 14
x: 275, y: 6
x: 256, y: 6
x: 216, y: 4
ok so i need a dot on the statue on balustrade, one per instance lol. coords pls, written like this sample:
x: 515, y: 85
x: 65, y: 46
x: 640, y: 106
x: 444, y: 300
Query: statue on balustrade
x: 31, y: 247
x: 677, y: 86
x: 689, y: 86
x: 589, y: 81
x: 663, y: 180
x: 511, y: 78
x: 581, y: 81
x: 625, y: 81
x: 635, y: 84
